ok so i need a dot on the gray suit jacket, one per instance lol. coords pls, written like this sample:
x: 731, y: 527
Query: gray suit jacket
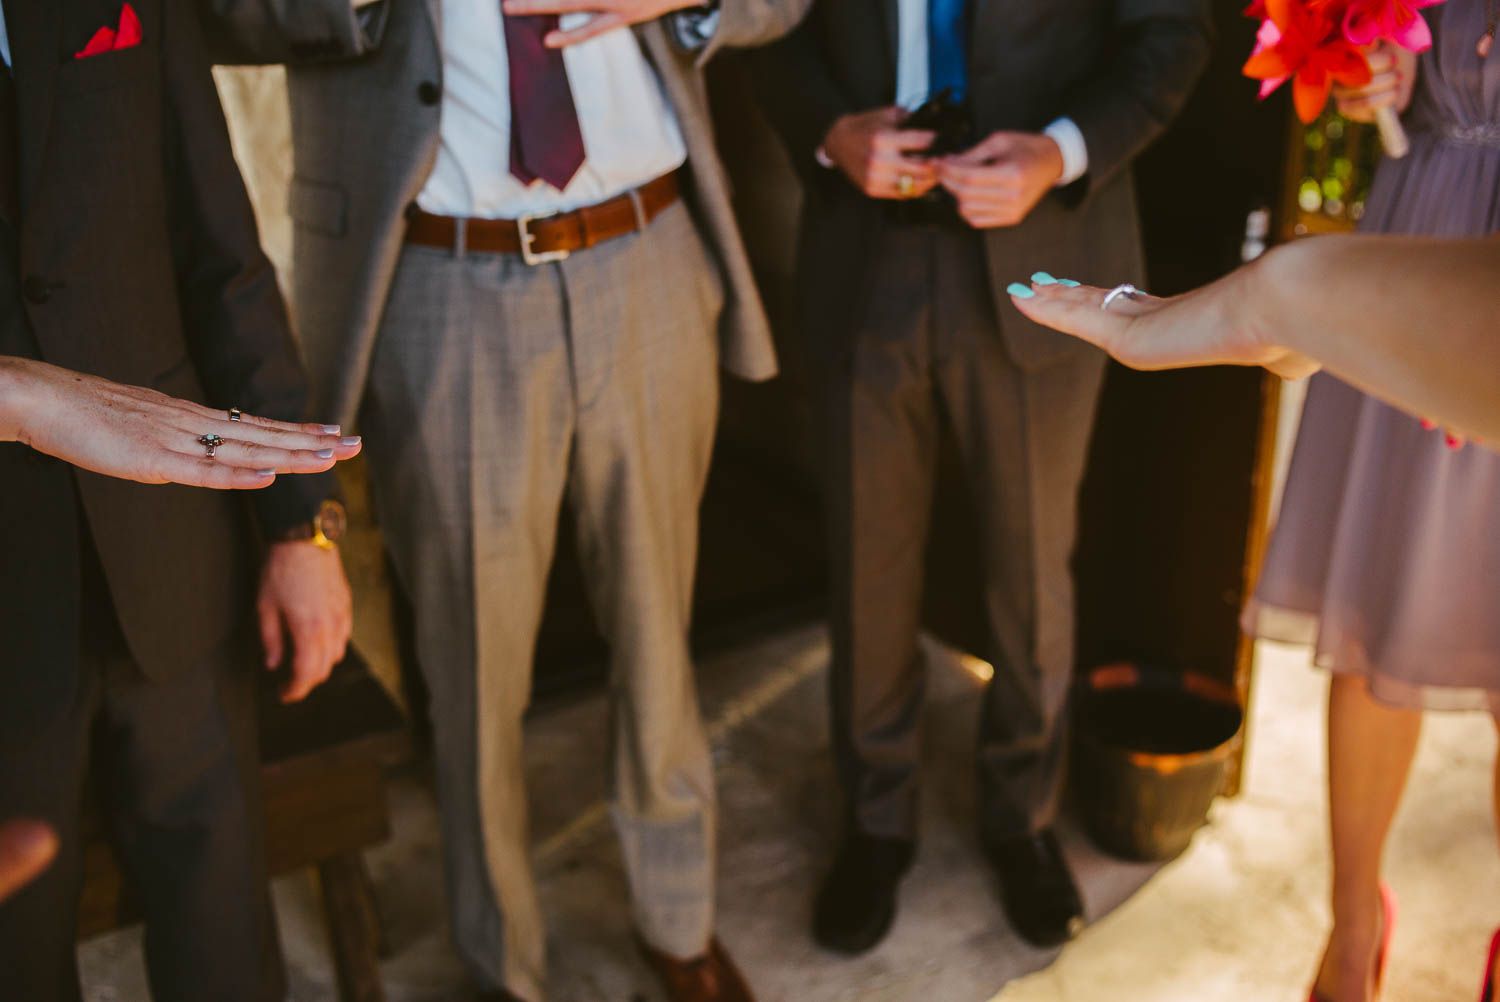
x: 1121, y: 69
x: 365, y: 133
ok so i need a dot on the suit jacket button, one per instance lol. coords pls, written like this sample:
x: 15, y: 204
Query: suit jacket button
x: 429, y: 92
x: 36, y: 289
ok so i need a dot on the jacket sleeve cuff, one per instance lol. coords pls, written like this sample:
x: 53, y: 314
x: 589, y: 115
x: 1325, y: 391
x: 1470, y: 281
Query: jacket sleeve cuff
x: 293, y: 500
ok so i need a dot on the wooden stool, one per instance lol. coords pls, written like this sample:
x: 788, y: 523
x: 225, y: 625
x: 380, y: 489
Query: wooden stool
x: 323, y: 766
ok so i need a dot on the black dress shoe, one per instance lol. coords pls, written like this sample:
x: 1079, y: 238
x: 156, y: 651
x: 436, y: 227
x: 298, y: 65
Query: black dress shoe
x: 1037, y: 888
x: 857, y: 905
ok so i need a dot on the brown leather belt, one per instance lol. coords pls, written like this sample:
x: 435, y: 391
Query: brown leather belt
x: 542, y: 238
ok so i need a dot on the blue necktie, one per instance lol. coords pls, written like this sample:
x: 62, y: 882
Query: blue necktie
x: 948, y: 47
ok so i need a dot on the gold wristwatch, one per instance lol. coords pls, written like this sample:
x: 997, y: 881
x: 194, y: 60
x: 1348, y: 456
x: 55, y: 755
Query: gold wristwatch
x: 324, y: 531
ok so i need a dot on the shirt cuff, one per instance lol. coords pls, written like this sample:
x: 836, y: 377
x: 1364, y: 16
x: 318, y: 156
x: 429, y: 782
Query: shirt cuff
x: 694, y: 27
x: 1075, y: 152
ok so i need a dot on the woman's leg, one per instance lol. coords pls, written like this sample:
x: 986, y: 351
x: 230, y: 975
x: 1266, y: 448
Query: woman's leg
x: 1370, y: 749
x: 1495, y: 972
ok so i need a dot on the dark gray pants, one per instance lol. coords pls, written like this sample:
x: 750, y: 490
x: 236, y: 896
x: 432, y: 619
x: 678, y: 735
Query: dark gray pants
x: 170, y: 761
x: 923, y: 348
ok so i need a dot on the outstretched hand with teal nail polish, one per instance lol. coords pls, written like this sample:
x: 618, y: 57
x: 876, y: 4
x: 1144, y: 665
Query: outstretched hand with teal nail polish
x: 1145, y: 332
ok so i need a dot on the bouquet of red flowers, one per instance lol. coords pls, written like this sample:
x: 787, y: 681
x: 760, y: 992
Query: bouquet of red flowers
x: 1317, y: 43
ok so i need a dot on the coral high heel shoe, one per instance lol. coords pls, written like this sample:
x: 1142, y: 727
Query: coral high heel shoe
x: 1388, y: 926
x: 1487, y: 993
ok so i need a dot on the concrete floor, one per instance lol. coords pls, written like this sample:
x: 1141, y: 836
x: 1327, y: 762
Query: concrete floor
x: 1241, y: 916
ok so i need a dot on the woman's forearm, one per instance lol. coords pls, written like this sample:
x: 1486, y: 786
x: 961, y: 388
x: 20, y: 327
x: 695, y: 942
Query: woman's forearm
x: 14, y: 400
x: 1413, y: 321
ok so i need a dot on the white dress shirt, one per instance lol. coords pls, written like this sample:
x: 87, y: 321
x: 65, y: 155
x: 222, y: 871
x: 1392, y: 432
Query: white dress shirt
x: 911, y: 88
x: 630, y: 132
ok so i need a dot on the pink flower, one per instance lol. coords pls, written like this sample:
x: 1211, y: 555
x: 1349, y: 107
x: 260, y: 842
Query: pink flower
x: 1397, y: 21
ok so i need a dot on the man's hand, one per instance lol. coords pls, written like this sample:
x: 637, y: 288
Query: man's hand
x: 303, y: 586
x: 607, y: 15
x: 873, y: 151
x: 1000, y: 181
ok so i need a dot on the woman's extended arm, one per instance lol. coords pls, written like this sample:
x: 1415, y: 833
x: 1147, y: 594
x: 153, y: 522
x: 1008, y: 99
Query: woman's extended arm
x: 1414, y: 321
x: 139, y: 434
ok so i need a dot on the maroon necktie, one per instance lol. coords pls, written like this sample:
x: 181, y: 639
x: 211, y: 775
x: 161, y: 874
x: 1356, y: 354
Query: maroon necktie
x: 545, y: 140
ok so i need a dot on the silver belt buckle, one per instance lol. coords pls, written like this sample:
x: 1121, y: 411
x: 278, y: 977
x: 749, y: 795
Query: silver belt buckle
x: 523, y: 228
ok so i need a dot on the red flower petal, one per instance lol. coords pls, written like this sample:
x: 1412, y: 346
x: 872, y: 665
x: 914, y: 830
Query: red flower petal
x: 1310, y: 95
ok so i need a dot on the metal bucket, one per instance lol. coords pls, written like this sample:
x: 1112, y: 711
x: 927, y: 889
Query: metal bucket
x: 1151, y: 749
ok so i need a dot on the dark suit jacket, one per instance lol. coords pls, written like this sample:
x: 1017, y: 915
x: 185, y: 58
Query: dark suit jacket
x: 1121, y: 69
x: 136, y: 259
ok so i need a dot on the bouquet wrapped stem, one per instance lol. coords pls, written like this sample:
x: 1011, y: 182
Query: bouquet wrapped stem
x: 1392, y: 133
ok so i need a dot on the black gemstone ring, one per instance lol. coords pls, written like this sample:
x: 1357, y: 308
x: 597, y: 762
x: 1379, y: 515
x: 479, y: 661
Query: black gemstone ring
x: 210, y: 443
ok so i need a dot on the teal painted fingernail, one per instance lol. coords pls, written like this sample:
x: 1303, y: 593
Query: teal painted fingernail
x: 1020, y: 291
x: 1042, y: 278
x: 331, y: 429
x: 349, y: 440
x: 325, y: 453
x: 1068, y: 283
x: 265, y: 473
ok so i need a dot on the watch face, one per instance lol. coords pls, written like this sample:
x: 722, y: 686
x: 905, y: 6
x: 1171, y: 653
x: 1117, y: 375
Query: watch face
x: 332, y: 521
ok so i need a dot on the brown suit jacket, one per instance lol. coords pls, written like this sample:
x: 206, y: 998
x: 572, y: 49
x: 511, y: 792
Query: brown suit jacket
x: 135, y: 258
x: 1121, y: 69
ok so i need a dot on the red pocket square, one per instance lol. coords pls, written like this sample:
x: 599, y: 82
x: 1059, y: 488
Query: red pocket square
x: 108, y: 39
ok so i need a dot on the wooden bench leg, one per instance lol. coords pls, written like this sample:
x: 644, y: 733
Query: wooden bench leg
x: 353, y: 931
x: 372, y: 910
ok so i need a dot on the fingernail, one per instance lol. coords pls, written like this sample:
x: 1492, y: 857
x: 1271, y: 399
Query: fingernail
x: 1042, y: 278
x: 1068, y: 283
x: 349, y: 440
x: 325, y: 453
x: 1020, y: 291
x: 331, y: 429
x: 1429, y: 425
x: 265, y: 473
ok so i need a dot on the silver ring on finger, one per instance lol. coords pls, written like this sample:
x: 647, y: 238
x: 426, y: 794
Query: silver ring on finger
x: 1126, y: 290
x: 905, y: 185
x: 210, y: 443
x: 235, y: 413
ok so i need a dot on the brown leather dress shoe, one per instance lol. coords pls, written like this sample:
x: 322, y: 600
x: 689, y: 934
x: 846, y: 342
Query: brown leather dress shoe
x: 709, y: 978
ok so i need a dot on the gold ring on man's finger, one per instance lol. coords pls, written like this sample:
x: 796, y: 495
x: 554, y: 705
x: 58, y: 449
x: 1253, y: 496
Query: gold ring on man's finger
x: 905, y: 185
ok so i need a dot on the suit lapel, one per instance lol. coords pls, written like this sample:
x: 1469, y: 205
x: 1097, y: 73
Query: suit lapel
x: 435, y: 11
x: 34, y: 28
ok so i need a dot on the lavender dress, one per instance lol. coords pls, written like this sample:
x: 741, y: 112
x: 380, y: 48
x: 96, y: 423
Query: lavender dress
x: 1386, y: 556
